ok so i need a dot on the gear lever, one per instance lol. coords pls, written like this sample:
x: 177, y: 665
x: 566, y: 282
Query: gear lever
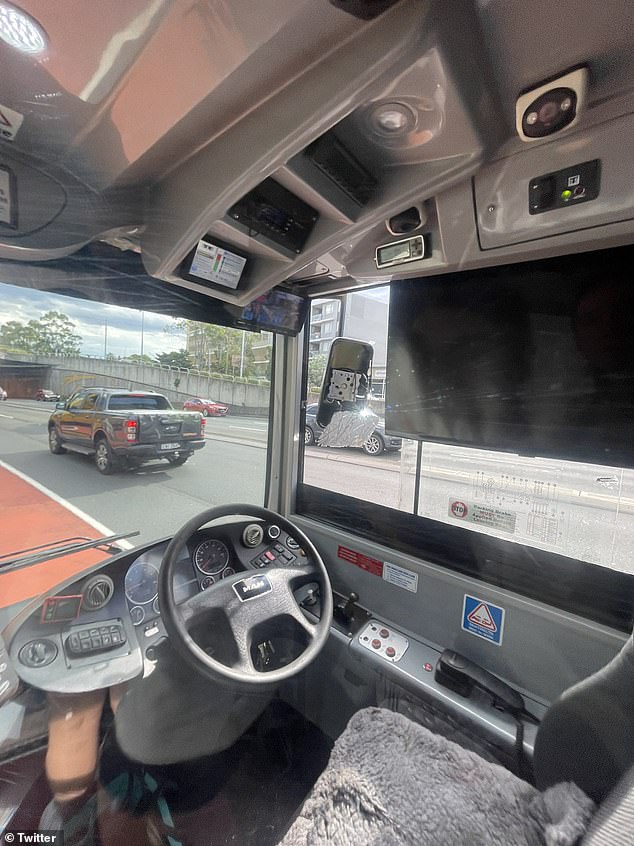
x: 344, y: 612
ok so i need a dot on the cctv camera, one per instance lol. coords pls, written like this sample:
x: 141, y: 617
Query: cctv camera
x: 554, y: 106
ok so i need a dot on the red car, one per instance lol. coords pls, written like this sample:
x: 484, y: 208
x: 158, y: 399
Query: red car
x: 206, y: 407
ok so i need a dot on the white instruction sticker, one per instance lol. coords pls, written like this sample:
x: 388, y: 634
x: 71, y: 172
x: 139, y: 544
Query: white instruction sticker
x: 400, y: 577
x: 492, y: 517
x: 6, y: 200
x: 215, y: 264
x: 10, y: 122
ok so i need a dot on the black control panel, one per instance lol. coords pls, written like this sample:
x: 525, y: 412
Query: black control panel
x: 269, y: 210
x: 567, y: 187
x: 87, y: 640
x: 276, y: 555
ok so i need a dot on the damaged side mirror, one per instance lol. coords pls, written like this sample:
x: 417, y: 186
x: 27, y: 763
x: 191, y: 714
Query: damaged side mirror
x: 343, y: 411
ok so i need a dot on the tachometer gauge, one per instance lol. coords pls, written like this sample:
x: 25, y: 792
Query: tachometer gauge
x: 211, y: 557
x: 141, y: 583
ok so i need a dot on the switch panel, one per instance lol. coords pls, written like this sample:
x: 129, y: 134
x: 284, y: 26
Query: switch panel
x: 383, y: 641
x: 567, y: 187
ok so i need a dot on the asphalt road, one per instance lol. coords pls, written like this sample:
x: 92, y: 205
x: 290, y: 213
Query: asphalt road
x: 577, y: 510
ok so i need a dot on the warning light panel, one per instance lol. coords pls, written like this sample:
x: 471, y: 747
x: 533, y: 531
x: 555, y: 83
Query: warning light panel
x: 60, y: 608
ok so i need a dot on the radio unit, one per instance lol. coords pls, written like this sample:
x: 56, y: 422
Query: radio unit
x: 269, y: 210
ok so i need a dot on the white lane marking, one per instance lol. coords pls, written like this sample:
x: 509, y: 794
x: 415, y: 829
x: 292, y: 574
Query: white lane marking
x: 248, y: 428
x: 8, y: 416
x: 105, y: 531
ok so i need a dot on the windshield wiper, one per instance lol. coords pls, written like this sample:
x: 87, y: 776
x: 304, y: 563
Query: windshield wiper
x: 38, y: 554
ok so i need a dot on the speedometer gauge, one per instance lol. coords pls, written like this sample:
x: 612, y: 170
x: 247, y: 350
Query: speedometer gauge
x: 211, y: 557
x: 141, y: 583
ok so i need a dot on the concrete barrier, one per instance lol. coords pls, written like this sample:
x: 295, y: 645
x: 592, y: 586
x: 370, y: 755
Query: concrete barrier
x: 68, y: 374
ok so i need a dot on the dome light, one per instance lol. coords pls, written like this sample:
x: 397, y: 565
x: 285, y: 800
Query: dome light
x: 20, y: 31
x: 392, y: 120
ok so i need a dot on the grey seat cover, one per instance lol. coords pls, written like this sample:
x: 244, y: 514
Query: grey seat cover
x: 391, y: 782
x: 613, y: 824
x: 587, y: 735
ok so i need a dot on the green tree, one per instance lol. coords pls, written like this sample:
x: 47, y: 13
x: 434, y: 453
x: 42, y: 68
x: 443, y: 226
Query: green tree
x: 220, y: 349
x: 316, y: 369
x: 175, y: 358
x: 53, y: 334
x: 17, y: 336
x: 140, y: 359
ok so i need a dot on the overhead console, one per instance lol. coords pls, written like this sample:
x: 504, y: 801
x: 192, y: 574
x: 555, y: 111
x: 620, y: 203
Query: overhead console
x: 376, y: 123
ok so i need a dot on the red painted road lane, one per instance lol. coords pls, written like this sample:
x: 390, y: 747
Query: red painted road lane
x: 28, y: 517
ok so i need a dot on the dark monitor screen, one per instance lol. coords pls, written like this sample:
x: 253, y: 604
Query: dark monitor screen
x: 534, y: 358
x: 276, y: 311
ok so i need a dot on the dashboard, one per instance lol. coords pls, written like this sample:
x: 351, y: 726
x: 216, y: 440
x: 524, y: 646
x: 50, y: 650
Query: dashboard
x: 105, y: 628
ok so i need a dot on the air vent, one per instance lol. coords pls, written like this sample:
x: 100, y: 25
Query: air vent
x: 253, y: 535
x: 97, y: 592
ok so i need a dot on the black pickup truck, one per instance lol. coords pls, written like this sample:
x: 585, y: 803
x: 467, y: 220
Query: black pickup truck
x: 124, y: 428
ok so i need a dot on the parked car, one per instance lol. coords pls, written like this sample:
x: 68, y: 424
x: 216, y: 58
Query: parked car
x: 44, y: 395
x: 377, y: 443
x: 122, y: 428
x: 206, y: 407
x: 3, y: 393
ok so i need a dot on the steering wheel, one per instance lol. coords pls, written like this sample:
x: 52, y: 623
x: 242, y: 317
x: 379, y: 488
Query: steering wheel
x: 247, y: 600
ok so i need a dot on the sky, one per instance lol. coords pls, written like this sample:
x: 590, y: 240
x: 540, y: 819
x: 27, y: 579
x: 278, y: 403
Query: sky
x: 124, y: 324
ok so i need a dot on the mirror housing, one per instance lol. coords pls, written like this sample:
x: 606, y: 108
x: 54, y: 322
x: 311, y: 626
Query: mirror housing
x: 343, y: 411
x: 347, y: 382
x: 59, y: 406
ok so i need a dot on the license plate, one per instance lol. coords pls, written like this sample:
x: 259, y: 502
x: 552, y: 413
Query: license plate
x: 170, y: 446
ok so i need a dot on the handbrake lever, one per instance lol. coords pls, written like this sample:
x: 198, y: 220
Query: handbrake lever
x: 461, y: 675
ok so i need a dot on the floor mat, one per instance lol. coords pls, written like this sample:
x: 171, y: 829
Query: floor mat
x: 247, y: 795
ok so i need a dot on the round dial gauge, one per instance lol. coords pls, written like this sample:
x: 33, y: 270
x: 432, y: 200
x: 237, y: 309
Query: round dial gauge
x: 137, y: 615
x: 141, y: 583
x: 211, y: 557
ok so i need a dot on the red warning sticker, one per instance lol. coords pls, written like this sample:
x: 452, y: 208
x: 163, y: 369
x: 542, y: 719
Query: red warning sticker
x: 458, y: 509
x: 370, y: 565
x: 481, y: 616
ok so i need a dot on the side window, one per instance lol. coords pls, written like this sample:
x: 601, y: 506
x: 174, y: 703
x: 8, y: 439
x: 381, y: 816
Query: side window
x: 90, y: 401
x: 382, y: 470
x: 76, y: 401
x: 551, y: 509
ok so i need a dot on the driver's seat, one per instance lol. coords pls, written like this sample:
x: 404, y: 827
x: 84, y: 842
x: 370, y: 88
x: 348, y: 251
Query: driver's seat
x: 392, y: 782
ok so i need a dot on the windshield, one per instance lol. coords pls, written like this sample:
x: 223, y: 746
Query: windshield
x: 99, y: 359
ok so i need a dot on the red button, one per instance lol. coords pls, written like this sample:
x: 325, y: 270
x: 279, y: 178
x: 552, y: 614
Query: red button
x: 269, y: 555
x: 376, y: 644
x: 390, y: 652
x: 428, y: 668
x: 384, y: 633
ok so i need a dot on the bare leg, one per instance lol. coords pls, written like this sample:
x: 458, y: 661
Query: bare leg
x: 73, y: 742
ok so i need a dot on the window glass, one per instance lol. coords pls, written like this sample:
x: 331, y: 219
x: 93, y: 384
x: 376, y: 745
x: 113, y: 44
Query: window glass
x: 90, y: 401
x: 76, y: 402
x: 583, y: 511
x: 383, y: 471
x: 126, y: 402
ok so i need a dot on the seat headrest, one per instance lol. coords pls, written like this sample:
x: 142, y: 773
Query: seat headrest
x: 587, y: 735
